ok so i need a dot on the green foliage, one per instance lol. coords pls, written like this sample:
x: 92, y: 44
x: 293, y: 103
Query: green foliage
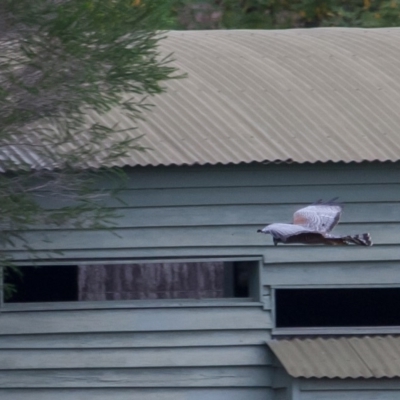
x: 67, y: 53
x: 281, y: 14
x: 7, y: 270
x: 60, y: 62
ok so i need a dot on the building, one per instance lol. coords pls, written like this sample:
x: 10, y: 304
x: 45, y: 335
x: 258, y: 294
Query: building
x: 266, y: 122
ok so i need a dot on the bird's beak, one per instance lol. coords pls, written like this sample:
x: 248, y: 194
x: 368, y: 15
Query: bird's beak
x: 259, y: 230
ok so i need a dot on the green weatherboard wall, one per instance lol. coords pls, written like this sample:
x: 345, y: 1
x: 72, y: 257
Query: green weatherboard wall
x: 195, y: 350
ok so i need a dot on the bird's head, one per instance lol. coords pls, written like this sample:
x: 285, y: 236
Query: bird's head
x: 264, y: 230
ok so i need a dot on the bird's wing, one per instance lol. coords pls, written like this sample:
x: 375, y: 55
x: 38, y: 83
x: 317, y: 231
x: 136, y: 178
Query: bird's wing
x: 319, y: 217
x: 285, y: 230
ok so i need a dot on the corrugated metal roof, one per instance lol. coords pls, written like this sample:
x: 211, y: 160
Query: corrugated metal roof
x: 343, y: 357
x: 302, y: 95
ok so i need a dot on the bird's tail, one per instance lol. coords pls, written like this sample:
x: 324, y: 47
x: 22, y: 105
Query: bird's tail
x: 362, y: 240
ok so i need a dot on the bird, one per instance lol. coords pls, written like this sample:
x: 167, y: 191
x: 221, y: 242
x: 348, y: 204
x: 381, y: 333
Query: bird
x: 312, y: 225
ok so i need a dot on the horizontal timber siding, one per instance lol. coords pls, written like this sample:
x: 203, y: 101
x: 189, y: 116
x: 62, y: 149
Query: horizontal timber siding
x: 139, y: 393
x: 354, y: 389
x: 203, y: 351
x: 136, y: 320
x: 148, y: 353
x: 353, y: 395
x: 214, y: 211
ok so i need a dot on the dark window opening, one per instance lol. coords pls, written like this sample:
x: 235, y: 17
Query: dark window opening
x: 205, y: 280
x: 42, y: 284
x: 302, y: 308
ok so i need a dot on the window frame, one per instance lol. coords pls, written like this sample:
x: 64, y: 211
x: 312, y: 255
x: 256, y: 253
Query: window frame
x: 255, y: 287
x: 321, y: 331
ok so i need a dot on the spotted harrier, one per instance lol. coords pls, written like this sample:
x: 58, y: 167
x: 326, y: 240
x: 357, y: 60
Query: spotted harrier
x: 312, y: 225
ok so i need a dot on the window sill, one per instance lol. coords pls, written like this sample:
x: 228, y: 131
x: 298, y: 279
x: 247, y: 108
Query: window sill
x: 330, y: 331
x: 134, y: 304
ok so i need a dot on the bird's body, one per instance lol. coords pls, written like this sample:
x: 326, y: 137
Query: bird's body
x: 312, y: 225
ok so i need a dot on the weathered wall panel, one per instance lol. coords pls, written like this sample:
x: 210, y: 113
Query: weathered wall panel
x: 135, y: 320
x: 353, y: 395
x: 344, y: 273
x: 201, y: 351
x: 151, y: 281
x: 116, y: 340
x: 354, y: 389
x: 149, y: 352
x: 135, y: 358
x: 215, y: 211
x: 141, y: 378
x: 140, y: 394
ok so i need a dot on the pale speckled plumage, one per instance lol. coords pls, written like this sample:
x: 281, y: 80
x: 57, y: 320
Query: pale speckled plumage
x: 312, y: 225
x: 318, y: 217
x: 285, y: 229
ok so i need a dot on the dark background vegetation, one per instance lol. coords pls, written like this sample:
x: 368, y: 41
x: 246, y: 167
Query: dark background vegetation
x: 281, y: 14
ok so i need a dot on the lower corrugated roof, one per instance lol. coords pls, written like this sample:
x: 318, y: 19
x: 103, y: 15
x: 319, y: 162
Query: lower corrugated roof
x: 342, y: 357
